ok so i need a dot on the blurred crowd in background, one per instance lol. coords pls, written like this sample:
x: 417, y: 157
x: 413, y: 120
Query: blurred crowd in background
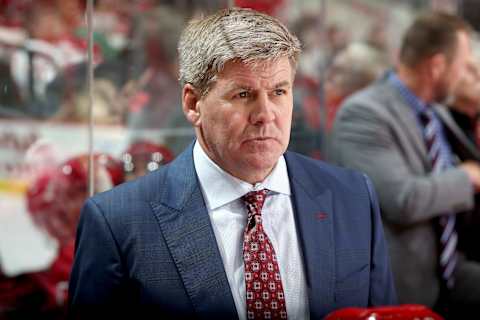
x: 138, y: 122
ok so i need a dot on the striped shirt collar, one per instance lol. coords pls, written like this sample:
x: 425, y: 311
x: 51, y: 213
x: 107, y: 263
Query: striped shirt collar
x: 418, y: 105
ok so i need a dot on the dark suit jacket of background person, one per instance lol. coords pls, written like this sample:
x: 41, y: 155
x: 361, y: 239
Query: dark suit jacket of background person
x: 461, y: 134
x: 150, y: 244
x: 376, y: 132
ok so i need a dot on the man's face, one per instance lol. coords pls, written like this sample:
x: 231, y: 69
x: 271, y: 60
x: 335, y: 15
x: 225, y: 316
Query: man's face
x: 244, y: 120
x: 455, y: 69
x: 467, y: 91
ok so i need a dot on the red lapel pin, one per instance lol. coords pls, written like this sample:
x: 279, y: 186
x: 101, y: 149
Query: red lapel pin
x: 321, y: 216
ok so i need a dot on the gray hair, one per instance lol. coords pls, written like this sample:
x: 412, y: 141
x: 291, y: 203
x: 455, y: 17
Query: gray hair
x: 356, y: 66
x: 231, y: 34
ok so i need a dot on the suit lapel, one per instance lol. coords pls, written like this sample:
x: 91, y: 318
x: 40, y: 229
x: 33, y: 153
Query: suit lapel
x: 406, y: 118
x: 186, y: 227
x: 313, y: 216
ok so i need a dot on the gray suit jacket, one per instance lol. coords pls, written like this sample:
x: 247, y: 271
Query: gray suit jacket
x: 376, y: 132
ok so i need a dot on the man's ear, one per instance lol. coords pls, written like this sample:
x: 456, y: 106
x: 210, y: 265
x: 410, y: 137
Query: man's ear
x: 438, y: 65
x: 190, y: 104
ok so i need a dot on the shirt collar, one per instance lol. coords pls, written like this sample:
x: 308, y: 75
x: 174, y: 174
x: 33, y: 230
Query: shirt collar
x: 219, y: 187
x: 418, y: 105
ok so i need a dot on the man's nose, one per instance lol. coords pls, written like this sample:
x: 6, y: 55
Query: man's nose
x: 263, y: 110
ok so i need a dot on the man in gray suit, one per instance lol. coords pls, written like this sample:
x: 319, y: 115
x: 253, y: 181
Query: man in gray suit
x: 390, y: 131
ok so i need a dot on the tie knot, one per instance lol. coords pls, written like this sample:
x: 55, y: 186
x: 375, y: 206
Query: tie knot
x: 426, y: 116
x: 254, y: 200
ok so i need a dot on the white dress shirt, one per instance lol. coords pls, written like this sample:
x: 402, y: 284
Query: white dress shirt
x: 222, y: 193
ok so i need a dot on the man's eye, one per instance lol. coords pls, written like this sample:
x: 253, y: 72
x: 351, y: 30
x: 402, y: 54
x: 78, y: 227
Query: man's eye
x: 243, y: 94
x: 280, y: 92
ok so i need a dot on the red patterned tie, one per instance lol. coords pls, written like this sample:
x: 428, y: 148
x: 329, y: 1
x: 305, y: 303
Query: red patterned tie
x: 264, y: 290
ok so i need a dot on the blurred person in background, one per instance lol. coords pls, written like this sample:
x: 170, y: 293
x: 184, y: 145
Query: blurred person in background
x: 307, y: 136
x: 54, y: 51
x: 70, y: 94
x: 461, y: 120
x: 143, y: 156
x: 319, y: 50
x: 54, y: 199
x: 308, y: 27
x: 144, y: 75
x: 136, y: 87
x: 321, y: 46
x: 11, y: 35
x: 352, y: 69
x: 464, y: 106
x: 153, y: 95
x: 51, y: 48
x: 190, y: 239
x: 113, y: 22
x: 391, y: 131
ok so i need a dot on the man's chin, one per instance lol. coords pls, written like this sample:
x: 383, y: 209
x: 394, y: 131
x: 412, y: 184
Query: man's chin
x: 263, y: 163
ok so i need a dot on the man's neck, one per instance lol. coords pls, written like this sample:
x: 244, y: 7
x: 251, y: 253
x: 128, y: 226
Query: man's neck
x: 416, y: 82
x: 252, y: 177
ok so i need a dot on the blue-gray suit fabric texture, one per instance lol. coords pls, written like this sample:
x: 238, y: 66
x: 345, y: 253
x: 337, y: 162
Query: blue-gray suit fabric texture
x: 149, y: 244
x: 377, y: 132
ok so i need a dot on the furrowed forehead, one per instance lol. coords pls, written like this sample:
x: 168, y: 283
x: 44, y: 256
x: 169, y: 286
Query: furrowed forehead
x: 246, y: 74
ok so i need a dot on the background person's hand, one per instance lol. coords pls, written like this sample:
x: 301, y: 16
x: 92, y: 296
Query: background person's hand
x: 472, y: 169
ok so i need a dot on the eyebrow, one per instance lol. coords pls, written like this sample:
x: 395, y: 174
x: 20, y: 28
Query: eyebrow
x: 236, y: 86
x: 282, y: 84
